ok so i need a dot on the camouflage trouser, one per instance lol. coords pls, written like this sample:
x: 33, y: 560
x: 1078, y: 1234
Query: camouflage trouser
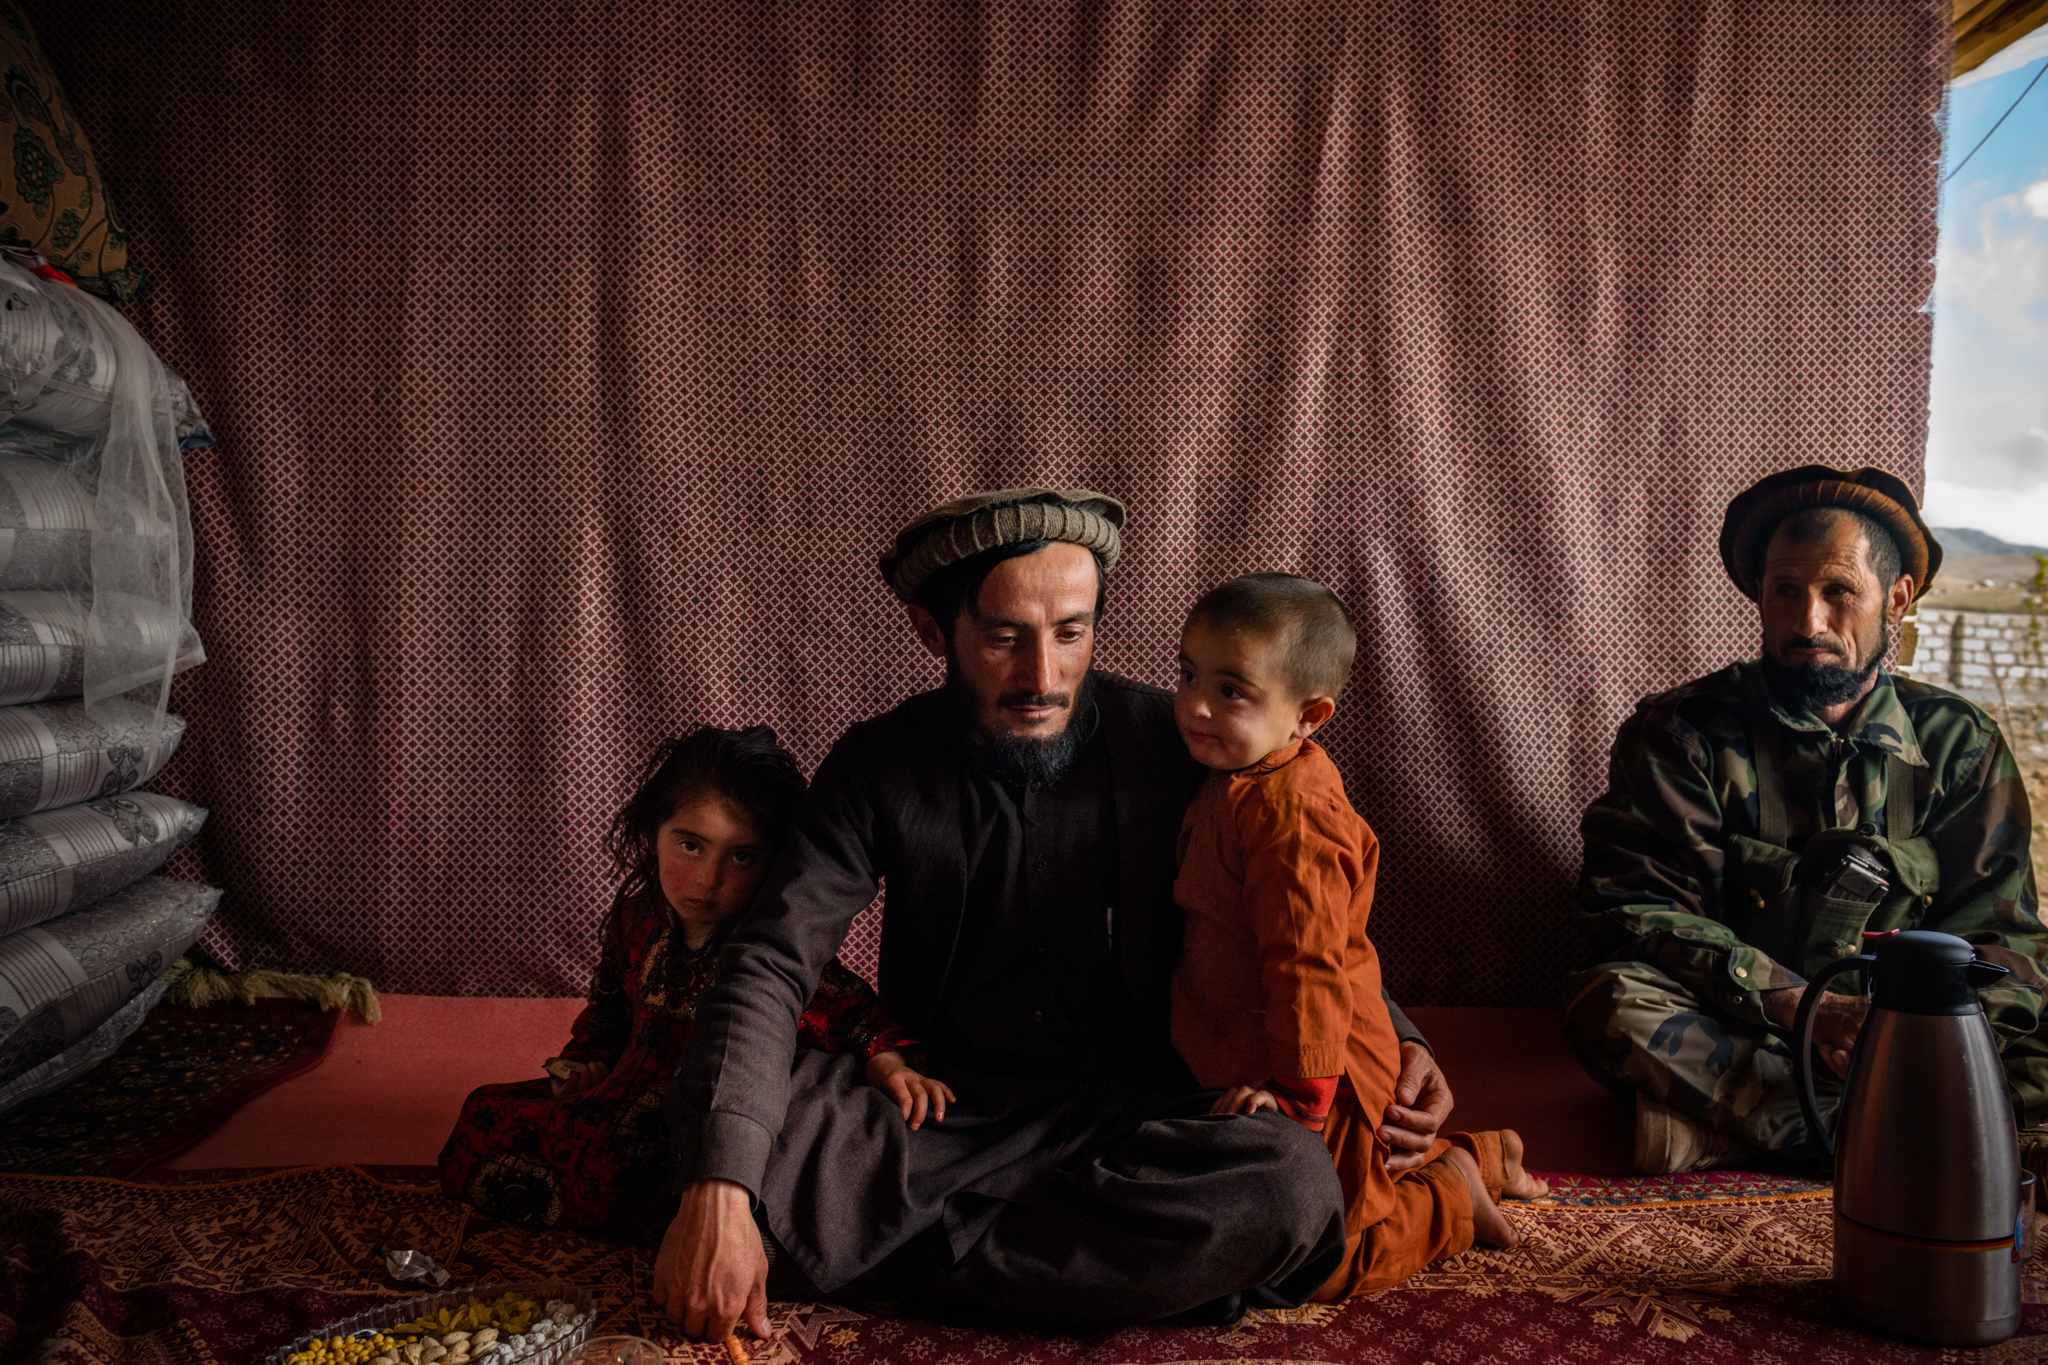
x: 1634, y: 1028
x: 2026, y: 1079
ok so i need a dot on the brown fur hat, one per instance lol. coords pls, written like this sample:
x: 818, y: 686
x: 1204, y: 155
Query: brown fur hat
x: 982, y: 521
x: 1757, y: 510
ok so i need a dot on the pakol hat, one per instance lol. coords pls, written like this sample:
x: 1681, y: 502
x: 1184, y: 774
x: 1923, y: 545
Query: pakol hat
x: 982, y: 521
x: 1757, y: 510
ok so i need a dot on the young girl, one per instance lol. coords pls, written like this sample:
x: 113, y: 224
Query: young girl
x: 587, y: 1148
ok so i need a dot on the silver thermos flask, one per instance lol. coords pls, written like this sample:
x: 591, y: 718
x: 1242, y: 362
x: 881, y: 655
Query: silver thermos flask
x: 1927, y: 1179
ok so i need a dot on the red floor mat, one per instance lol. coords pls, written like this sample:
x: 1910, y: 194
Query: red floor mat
x: 99, y: 1272
x: 389, y: 1092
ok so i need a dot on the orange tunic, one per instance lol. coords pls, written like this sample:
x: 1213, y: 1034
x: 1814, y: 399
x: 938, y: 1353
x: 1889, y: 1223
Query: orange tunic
x: 1277, y: 980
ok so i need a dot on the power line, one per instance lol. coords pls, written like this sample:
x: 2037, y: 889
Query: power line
x: 1994, y: 127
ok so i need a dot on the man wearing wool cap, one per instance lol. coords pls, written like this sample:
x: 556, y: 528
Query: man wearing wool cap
x: 1024, y: 817
x: 1759, y: 820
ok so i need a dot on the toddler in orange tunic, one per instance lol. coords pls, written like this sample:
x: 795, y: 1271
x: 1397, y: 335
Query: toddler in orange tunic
x: 1277, y: 996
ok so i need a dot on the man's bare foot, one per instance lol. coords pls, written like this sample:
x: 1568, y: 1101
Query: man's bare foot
x: 1518, y: 1183
x: 1490, y: 1227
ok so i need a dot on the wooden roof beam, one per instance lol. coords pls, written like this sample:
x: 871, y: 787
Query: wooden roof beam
x: 1983, y: 28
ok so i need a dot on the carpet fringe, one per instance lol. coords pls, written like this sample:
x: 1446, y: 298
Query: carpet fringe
x: 196, y: 984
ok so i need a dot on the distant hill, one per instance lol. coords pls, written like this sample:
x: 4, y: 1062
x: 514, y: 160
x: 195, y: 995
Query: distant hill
x: 1959, y: 540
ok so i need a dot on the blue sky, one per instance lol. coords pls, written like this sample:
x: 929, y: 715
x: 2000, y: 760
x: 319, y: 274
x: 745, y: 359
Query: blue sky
x: 1987, y: 446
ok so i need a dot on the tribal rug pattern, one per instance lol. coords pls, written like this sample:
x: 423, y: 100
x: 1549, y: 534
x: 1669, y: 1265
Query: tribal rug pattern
x: 99, y: 1272
x: 174, y: 1080
x: 1569, y: 1190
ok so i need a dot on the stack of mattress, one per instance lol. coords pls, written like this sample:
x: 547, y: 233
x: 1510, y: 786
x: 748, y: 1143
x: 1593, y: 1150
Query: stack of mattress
x: 87, y: 930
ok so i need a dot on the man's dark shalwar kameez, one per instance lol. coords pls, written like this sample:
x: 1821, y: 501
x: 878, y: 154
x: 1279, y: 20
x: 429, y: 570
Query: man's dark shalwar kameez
x: 1028, y: 939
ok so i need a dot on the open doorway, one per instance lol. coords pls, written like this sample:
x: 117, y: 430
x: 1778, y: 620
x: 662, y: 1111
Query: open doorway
x: 1984, y: 625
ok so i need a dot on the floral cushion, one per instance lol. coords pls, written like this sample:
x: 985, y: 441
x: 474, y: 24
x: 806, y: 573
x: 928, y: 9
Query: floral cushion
x: 61, y: 980
x: 60, y: 860
x: 56, y: 755
x: 54, y: 201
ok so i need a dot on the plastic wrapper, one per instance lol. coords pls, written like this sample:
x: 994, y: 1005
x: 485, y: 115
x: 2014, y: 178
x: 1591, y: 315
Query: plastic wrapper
x: 408, y: 1266
x: 57, y: 365
x: 80, y: 389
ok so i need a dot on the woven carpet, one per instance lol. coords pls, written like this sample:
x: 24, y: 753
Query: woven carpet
x: 98, y: 1271
x: 176, y: 1079
x: 1650, y: 1191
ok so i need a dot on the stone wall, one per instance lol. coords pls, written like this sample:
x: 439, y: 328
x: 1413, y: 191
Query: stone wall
x: 1978, y: 648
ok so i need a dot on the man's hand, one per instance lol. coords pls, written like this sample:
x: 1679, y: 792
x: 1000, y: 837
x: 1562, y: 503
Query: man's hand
x: 915, y: 1093
x: 1422, y: 1101
x: 1837, y: 1019
x: 712, y: 1269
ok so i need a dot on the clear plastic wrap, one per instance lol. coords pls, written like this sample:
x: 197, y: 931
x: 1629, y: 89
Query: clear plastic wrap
x: 80, y: 388
x: 56, y: 373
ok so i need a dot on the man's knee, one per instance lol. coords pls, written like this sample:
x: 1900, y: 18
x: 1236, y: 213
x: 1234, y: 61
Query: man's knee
x: 1284, y: 1182
x: 1301, y: 1164
x: 1291, y: 1201
x: 1260, y: 1173
x: 1606, y: 1003
x: 1178, y: 1213
x: 1616, y: 1009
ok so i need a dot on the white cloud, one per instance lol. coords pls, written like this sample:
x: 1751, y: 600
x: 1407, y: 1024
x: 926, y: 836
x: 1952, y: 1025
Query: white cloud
x: 2021, y: 518
x: 1989, y: 393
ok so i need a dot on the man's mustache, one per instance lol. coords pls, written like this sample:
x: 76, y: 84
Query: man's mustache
x: 1814, y: 642
x: 1061, y: 700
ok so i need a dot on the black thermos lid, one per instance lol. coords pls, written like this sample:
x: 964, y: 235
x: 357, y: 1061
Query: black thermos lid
x: 1922, y: 972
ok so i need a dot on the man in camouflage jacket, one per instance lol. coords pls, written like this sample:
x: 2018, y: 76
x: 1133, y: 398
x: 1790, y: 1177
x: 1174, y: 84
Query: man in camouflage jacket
x: 1714, y: 879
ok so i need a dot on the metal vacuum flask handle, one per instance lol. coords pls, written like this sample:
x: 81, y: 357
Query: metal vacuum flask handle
x: 1802, y: 1043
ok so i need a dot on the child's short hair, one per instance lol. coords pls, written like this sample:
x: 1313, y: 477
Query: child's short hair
x: 1305, y: 616
x: 746, y: 769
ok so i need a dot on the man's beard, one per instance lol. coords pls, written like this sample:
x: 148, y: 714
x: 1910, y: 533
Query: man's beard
x: 1809, y: 687
x: 1025, y: 759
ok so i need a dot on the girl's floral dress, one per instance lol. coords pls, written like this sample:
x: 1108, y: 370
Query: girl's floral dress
x: 601, y: 1162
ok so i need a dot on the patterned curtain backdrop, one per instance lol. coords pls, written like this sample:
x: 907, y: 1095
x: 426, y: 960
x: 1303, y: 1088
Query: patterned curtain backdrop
x: 574, y: 361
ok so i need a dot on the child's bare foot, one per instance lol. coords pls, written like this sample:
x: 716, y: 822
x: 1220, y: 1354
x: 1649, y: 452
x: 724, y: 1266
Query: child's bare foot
x: 1490, y: 1227
x: 1518, y: 1183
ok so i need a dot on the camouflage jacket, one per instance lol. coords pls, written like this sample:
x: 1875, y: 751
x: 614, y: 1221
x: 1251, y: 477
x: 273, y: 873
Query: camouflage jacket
x: 1658, y: 884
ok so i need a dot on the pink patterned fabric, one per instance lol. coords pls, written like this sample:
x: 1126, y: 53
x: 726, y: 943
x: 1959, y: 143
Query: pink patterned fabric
x: 573, y: 363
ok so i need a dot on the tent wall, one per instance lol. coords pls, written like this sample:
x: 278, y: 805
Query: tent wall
x: 573, y: 363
